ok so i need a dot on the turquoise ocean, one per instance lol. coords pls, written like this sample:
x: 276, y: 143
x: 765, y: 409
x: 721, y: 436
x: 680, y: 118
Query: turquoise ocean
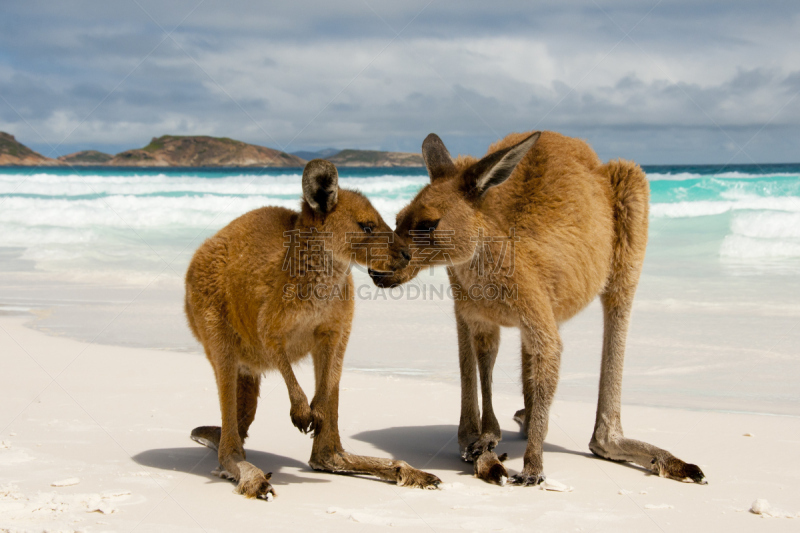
x: 98, y: 254
x: 116, y: 219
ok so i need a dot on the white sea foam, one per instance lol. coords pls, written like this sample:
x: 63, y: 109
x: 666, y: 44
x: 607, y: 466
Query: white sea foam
x: 741, y: 247
x: 136, y: 232
x: 680, y: 176
x: 706, y: 208
x: 261, y: 185
x: 132, y: 211
x: 767, y: 225
x: 683, y: 176
x: 762, y: 235
x: 137, y: 212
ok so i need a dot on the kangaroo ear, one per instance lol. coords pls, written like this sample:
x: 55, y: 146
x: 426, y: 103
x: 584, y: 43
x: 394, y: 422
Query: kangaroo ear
x: 496, y: 167
x: 320, y: 185
x: 436, y: 157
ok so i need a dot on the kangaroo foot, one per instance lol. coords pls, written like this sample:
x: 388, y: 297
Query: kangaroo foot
x: 489, y: 467
x: 655, y: 459
x: 464, y: 443
x: 527, y: 479
x: 252, y: 482
x: 486, y: 443
x: 207, y: 436
x: 674, y: 468
x: 408, y: 476
x: 400, y: 472
x: 300, y: 414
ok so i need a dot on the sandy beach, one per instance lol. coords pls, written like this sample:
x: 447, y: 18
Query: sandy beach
x: 111, y: 425
x: 132, y: 132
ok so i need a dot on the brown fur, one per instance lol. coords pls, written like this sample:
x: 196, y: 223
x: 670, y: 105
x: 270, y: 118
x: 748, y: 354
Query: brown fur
x: 581, y: 227
x: 489, y: 467
x: 237, y: 307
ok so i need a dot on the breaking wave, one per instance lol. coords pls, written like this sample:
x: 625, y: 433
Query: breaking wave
x: 107, y: 217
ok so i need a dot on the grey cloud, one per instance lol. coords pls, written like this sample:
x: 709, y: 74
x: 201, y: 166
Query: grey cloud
x: 310, y: 74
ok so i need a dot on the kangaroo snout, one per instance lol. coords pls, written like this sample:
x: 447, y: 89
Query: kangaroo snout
x: 386, y: 275
x: 384, y: 280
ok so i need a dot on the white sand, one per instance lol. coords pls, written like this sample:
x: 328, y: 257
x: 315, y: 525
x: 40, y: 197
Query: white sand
x: 118, y: 419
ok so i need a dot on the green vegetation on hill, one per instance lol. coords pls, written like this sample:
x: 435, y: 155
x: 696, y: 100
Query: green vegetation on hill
x: 365, y: 156
x: 86, y: 157
x: 10, y: 146
x: 12, y: 152
x: 158, y: 143
x: 155, y: 144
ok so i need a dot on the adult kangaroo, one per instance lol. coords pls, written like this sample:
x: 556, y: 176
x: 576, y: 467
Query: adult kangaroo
x: 531, y: 233
x: 268, y: 289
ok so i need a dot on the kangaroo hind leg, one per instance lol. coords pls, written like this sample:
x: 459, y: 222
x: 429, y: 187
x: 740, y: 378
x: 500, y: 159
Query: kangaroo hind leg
x: 608, y: 440
x: 247, y: 389
x: 327, y: 453
x: 251, y: 481
x: 631, y: 191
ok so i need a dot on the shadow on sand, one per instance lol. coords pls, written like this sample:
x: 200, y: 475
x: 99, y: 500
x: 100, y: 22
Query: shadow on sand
x: 200, y: 461
x: 436, y: 447
x: 424, y: 447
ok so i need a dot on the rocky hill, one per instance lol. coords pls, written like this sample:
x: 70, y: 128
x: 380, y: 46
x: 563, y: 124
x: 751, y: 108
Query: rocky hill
x: 86, y: 158
x: 203, y: 151
x: 14, y: 153
x: 374, y: 158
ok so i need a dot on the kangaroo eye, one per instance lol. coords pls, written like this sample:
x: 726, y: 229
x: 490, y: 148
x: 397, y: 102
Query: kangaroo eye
x: 366, y: 227
x: 426, y: 225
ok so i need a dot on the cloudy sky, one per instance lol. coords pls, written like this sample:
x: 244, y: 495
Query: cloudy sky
x: 657, y: 81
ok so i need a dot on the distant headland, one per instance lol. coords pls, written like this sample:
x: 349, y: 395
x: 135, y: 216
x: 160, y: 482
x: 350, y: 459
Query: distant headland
x: 202, y: 151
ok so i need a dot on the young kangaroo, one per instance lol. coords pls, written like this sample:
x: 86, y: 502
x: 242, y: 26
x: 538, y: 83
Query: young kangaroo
x: 268, y: 289
x: 531, y: 234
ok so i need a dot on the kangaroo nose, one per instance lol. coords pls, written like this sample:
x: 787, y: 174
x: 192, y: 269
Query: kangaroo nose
x: 406, y: 255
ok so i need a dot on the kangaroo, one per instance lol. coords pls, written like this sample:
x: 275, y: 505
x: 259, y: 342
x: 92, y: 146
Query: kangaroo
x: 530, y: 234
x: 258, y: 301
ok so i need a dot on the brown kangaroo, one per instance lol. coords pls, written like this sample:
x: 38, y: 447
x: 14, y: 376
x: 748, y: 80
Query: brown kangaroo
x: 268, y: 289
x: 531, y: 234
